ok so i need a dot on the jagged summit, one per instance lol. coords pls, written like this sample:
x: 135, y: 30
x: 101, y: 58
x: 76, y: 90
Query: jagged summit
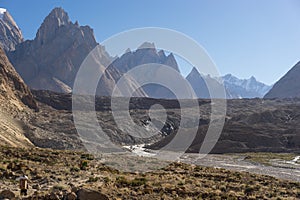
x: 60, y: 13
x: 200, y: 84
x: 147, y: 45
x: 194, y: 71
x: 10, y: 34
x: 51, y: 60
x: 244, y: 88
x: 162, y: 54
x: 57, y: 18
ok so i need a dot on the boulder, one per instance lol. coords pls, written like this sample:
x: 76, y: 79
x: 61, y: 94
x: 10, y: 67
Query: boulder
x: 71, y: 196
x: 84, y: 194
x: 53, y: 196
x: 7, y: 194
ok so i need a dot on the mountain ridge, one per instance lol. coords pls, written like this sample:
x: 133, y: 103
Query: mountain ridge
x: 288, y: 85
x: 235, y: 88
x: 245, y: 88
x: 51, y: 60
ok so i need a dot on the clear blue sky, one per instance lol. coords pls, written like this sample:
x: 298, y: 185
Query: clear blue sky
x: 245, y: 38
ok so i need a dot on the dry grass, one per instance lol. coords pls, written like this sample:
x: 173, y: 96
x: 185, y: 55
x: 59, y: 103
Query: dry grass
x: 55, y: 170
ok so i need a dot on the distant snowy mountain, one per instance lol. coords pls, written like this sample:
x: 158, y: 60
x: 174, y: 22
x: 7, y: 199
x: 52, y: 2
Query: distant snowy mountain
x: 244, y: 88
x: 235, y: 88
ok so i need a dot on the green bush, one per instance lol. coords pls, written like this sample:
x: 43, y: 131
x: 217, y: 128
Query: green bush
x: 138, y: 182
x: 83, y: 164
x: 93, y: 179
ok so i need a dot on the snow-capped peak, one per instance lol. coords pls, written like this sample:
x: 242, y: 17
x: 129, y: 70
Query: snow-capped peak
x: 2, y: 11
x: 249, y: 88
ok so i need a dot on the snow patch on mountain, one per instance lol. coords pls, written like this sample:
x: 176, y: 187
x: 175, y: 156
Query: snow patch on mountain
x: 2, y: 11
x: 245, y: 88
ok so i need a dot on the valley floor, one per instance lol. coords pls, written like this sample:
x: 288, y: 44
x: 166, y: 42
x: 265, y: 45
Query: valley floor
x: 280, y: 166
x: 55, y: 174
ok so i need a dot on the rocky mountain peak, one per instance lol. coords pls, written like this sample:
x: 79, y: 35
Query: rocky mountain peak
x: 57, y: 18
x: 162, y: 55
x: 10, y: 34
x: 147, y: 45
x: 52, y: 59
x: 288, y: 86
x: 171, y: 61
x: 228, y: 76
x: 252, y: 78
x: 194, y: 71
x: 200, y: 84
x: 59, y: 15
x: 244, y: 88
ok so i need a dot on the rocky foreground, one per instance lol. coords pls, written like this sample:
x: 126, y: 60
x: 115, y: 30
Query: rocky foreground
x: 74, y: 175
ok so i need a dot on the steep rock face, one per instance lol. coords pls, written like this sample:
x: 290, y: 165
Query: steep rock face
x: 14, y: 94
x: 10, y: 34
x: 244, y: 88
x: 15, y: 101
x: 52, y: 59
x: 288, y: 86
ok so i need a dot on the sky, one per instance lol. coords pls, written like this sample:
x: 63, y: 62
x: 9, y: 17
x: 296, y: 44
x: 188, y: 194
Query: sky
x: 245, y: 38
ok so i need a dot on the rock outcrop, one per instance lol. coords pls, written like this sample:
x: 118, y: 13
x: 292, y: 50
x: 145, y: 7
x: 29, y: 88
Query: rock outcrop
x: 288, y: 86
x: 10, y: 34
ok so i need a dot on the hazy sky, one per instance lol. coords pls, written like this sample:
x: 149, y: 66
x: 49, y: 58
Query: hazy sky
x: 245, y: 38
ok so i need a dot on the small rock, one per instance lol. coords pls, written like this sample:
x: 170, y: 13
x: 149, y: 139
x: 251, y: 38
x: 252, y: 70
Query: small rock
x: 53, y: 196
x: 84, y: 194
x: 44, y: 181
x: 74, y: 189
x: 7, y: 194
x: 148, y: 190
x: 71, y: 196
x: 36, y: 187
